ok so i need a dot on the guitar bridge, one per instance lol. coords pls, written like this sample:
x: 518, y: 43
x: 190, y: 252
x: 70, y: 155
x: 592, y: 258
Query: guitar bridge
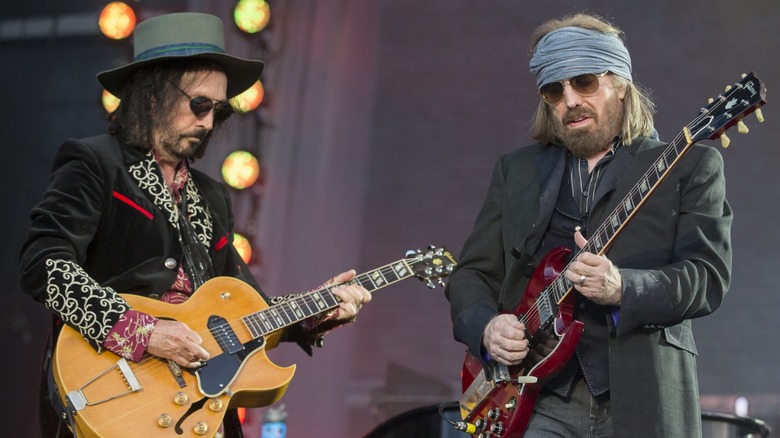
x: 78, y: 400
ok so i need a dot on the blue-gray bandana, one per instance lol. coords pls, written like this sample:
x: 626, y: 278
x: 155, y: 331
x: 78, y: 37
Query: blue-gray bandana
x: 572, y: 51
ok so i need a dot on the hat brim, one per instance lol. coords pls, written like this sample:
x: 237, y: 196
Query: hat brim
x: 241, y: 73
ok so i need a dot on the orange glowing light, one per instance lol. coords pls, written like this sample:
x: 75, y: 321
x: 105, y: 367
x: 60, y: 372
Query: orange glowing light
x: 110, y: 102
x: 252, y: 16
x: 240, y: 169
x: 249, y: 99
x: 117, y: 20
x: 243, y: 246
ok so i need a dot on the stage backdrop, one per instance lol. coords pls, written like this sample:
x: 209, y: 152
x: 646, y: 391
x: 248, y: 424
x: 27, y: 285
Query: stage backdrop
x: 382, y: 123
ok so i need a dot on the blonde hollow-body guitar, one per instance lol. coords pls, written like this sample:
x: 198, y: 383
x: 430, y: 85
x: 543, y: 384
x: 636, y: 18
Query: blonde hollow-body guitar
x: 113, y: 397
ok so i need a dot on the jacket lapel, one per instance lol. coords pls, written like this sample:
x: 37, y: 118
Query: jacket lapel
x: 143, y: 168
x: 623, y: 157
x: 551, y: 157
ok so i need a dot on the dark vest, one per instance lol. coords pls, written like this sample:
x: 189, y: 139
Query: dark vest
x: 591, y: 356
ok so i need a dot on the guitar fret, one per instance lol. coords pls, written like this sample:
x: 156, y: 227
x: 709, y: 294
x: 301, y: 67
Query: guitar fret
x: 644, y: 185
x: 614, y: 222
x: 265, y: 321
x: 319, y: 301
x: 377, y: 278
x: 597, y: 241
x: 372, y: 285
x: 251, y: 323
x: 389, y: 274
x: 276, y: 317
x: 400, y: 270
x: 296, y: 309
x: 330, y: 299
x: 660, y: 165
x: 287, y: 311
x: 628, y: 205
x: 307, y: 301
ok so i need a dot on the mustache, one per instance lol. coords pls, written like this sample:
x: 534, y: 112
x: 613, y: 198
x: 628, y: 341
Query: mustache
x: 577, y: 113
x: 198, y: 133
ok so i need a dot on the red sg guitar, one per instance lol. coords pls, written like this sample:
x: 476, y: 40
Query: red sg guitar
x: 498, y: 400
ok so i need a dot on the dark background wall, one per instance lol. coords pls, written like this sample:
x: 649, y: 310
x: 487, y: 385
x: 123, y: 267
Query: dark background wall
x: 445, y: 91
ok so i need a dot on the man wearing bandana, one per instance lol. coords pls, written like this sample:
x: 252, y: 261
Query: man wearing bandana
x: 633, y: 371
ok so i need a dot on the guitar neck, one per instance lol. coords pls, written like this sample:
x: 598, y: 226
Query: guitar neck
x: 605, y: 234
x: 321, y: 300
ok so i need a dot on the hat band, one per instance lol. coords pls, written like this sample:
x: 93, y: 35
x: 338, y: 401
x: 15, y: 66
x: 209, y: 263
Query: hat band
x: 184, y: 49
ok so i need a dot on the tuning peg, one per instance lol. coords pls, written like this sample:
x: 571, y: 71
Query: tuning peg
x: 724, y: 140
x: 742, y: 127
x: 441, y: 282
x: 430, y: 284
x: 759, y: 115
x: 710, y: 100
x: 728, y: 87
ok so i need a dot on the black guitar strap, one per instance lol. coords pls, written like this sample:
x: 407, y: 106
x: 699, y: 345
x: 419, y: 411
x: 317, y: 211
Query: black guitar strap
x: 64, y: 412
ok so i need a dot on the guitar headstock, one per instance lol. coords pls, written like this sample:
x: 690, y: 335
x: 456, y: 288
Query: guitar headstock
x: 432, y: 264
x: 728, y: 109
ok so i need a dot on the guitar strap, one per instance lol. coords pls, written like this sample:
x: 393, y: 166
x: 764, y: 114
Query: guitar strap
x: 64, y: 413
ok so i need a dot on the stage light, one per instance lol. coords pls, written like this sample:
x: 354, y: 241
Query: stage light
x: 252, y: 16
x: 243, y: 247
x: 117, y: 20
x: 249, y: 99
x: 110, y: 102
x: 240, y: 169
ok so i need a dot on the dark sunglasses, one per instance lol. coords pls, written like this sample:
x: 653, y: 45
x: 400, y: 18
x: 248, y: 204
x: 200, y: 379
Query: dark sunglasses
x: 201, y: 105
x: 584, y: 85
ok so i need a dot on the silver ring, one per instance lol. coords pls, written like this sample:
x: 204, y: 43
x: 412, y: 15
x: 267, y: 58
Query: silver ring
x: 581, y: 281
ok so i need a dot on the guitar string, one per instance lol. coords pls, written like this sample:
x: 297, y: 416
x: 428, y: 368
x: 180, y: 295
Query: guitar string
x: 534, y: 315
x: 309, y: 300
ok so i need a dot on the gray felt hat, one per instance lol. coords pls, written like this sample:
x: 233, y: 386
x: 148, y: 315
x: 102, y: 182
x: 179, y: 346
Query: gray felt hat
x: 179, y: 36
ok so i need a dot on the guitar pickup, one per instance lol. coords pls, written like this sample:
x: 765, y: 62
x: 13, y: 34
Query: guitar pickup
x: 497, y: 372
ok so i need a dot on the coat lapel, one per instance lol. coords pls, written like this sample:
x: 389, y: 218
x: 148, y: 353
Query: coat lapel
x: 617, y: 167
x: 552, y: 157
x: 144, y: 170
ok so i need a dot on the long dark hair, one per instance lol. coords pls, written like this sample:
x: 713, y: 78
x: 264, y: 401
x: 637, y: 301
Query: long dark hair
x: 149, y: 98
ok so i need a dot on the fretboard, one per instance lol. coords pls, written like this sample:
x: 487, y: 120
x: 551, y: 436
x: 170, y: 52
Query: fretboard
x: 305, y: 305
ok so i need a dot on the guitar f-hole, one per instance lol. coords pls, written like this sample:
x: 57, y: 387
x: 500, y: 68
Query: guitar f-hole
x: 193, y: 407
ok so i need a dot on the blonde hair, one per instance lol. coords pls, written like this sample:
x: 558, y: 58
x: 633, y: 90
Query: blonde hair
x: 638, y: 109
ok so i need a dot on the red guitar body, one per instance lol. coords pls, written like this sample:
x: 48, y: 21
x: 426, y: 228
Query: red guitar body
x: 504, y: 407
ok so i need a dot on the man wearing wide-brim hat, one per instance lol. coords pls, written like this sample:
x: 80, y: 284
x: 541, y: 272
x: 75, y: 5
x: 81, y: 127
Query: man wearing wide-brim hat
x: 125, y: 213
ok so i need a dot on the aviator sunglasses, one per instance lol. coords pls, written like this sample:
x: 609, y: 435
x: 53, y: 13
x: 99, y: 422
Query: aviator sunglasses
x: 584, y: 85
x: 201, y: 105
